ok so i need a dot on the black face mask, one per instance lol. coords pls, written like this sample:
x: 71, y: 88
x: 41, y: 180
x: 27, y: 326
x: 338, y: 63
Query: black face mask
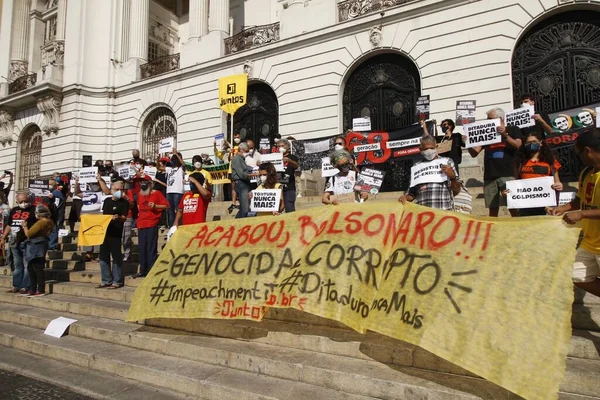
x: 174, y: 161
x: 145, y: 186
x: 108, y: 167
x: 445, y: 129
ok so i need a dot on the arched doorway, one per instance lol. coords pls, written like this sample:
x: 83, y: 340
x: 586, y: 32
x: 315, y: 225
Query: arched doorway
x: 158, y: 125
x: 30, y: 156
x: 385, y: 89
x: 259, y: 117
x: 558, y: 62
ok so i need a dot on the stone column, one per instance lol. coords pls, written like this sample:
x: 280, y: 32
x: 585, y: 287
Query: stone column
x: 61, y: 20
x: 219, y: 16
x: 125, y: 32
x: 198, y: 19
x: 20, y: 39
x: 138, y: 29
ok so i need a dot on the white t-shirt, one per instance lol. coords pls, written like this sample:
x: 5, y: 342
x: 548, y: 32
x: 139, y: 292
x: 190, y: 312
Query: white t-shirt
x: 253, y: 158
x: 337, y: 184
x: 92, y: 202
x: 175, y: 180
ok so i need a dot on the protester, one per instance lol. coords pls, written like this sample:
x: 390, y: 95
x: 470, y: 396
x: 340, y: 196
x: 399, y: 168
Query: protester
x: 455, y: 153
x: 290, y: 163
x: 343, y: 182
x: 76, y: 205
x: 234, y: 199
x: 225, y: 155
x: 23, y: 212
x: 199, y: 167
x: 175, y: 179
x: 137, y: 160
x: 253, y: 157
x: 268, y: 180
x: 438, y: 195
x: 109, y: 170
x: 6, y: 189
x: 586, y: 208
x: 206, y: 160
x: 276, y: 139
x: 160, y: 182
x: 36, y: 248
x: 130, y: 196
x: 110, y: 250
x: 59, y: 200
x: 4, y: 214
x: 535, y: 160
x: 241, y: 176
x: 339, y: 143
x: 191, y: 209
x: 151, y: 204
x: 498, y: 164
x: 541, y: 122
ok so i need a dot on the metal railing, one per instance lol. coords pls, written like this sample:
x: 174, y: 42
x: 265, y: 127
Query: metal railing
x: 160, y: 65
x: 22, y: 83
x: 351, y: 9
x: 252, y: 37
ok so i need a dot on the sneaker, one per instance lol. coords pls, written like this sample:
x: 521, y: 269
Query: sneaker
x: 25, y: 293
x: 230, y: 208
x: 38, y: 294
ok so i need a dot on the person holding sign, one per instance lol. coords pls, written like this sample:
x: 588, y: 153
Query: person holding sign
x: 540, y: 122
x: 290, y: 163
x: 456, y: 139
x: 267, y: 176
x: 433, y: 194
x: 37, y: 247
x: 586, y: 208
x: 535, y: 160
x: 191, y: 209
x: 175, y: 179
x: 498, y: 164
x: 343, y: 182
x: 241, y: 177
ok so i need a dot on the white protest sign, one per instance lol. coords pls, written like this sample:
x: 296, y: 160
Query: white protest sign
x: 427, y: 172
x: 597, y: 117
x: 254, y: 179
x: 166, y: 145
x: 482, y: 133
x: 531, y: 193
x: 124, y: 171
x: 63, y: 232
x: 566, y: 197
x: 521, y: 117
x: 265, y: 200
x: 58, y: 326
x: 361, y: 124
x: 367, y: 147
x: 106, y: 180
x: 327, y: 170
x: 396, y: 144
x: 150, y: 171
x: 316, y: 147
x: 276, y: 159
x: 88, y: 175
x: 82, y: 186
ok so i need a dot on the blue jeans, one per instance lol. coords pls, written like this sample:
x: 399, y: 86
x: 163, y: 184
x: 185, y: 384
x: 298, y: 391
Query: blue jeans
x: 111, y: 248
x: 127, y: 241
x: 242, y: 188
x: 289, y: 200
x: 59, y: 225
x: 20, y: 274
x: 174, y: 199
x: 147, y: 249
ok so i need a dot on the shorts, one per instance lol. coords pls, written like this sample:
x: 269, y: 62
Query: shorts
x: 586, y: 267
x: 492, y: 192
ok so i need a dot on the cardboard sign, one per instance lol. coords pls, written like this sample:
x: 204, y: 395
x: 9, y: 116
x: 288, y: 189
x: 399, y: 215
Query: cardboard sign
x: 57, y: 327
x: 166, y: 145
x: 150, y: 171
x: 343, y: 198
x: 88, y: 175
x: 465, y: 112
x: 396, y: 144
x: 39, y: 187
x: 265, y: 200
x: 276, y: 159
x: 444, y: 146
x: 423, y: 107
x: 531, y: 193
x: 483, y: 133
x: 361, y: 124
x: 367, y: 147
x: 369, y: 181
x: 521, y: 117
x: 124, y: 171
x: 327, y: 170
x: 106, y: 180
x: 566, y: 197
x: 427, y: 172
x: 220, y: 138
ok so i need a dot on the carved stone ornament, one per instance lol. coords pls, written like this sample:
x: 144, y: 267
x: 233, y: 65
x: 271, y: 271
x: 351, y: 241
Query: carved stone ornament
x: 248, y: 68
x: 53, y: 53
x: 375, y: 36
x: 7, y: 124
x: 50, y: 107
x: 17, y: 69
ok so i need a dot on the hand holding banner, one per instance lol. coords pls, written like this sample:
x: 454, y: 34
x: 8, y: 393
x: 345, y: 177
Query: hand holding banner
x: 275, y: 158
x: 166, y: 145
x: 531, y: 193
x: 93, y: 229
x: 265, y: 200
x: 483, y: 133
x: 427, y: 172
x: 327, y: 169
x: 88, y: 175
x: 232, y: 92
x: 521, y: 117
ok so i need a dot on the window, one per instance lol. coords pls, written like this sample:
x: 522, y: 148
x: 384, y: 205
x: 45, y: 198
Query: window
x: 155, y: 51
x: 30, y: 157
x: 160, y: 124
x: 50, y: 29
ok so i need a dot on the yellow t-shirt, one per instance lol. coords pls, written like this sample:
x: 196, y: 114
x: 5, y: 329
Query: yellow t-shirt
x: 207, y: 176
x: 265, y: 213
x: 589, y: 197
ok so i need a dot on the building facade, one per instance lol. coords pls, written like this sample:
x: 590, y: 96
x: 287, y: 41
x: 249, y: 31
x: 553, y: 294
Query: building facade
x: 101, y: 77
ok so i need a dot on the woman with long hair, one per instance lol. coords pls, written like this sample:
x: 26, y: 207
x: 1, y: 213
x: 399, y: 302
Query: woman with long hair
x: 267, y: 176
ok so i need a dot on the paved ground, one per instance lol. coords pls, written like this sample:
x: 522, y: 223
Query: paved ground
x: 18, y: 387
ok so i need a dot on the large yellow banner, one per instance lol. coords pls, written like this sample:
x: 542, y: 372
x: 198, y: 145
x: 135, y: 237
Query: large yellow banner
x: 490, y: 295
x: 232, y: 92
x: 92, y: 229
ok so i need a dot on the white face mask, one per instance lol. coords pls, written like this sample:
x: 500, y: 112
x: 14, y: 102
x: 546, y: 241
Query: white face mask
x: 429, y: 154
x: 263, y: 178
x: 339, y: 147
x: 525, y: 105
x: 198, y: 165
x: 282, y: 150
x: 23, y: 205
x: 237, y: 140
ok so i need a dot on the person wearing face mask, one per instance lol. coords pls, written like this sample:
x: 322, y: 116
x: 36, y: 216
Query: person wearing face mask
x: 37, y: 246
x: 241, y: 177
x: 343, y: 182
x: 110, y: 250
x: 175, y: 182
x: 208, y: 182
x: 151, y: 205
x: 191, y: 209
x: 57, y: 197
x: 109, y: 170
x: 541, y: 122
x: 290, y: 164
x: 455, y: 153
x: 535, y: 160
x: 267, y: 176
x: 206, y: 160
x: 225, y: 156
x: 585, y: 209
x: 24, y: 212
x: 434, y: 194
x: 135, y: 153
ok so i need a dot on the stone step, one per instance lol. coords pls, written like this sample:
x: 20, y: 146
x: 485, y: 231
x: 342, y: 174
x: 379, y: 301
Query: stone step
x: 66, y: 264
x: 188, y: 377
x: 66, y: 255
x: 83, y: 381
x: 127, y: 268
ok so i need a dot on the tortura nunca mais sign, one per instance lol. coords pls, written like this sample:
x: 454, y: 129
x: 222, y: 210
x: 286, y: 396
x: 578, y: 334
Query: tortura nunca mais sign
x: 469, y: 290
x: 232, y: 92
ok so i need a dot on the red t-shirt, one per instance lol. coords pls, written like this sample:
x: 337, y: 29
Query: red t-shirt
x: 149, y: 217
x: 131, y: 200
x: 538, y: 169
x: 193, y: 209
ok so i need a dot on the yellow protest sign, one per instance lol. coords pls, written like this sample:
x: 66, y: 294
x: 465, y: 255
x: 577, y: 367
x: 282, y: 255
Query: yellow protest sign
x: 232, y: 92
x: 92, y: 229
x: 485, y: 294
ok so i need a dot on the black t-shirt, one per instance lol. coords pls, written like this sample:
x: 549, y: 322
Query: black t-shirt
x: 162, y: 177
x: 115, y: 207
x: 289, y: 179
x: 455, y: 153
x: 538, y: 127
x: 499, y: 158
x: 16, y: 217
